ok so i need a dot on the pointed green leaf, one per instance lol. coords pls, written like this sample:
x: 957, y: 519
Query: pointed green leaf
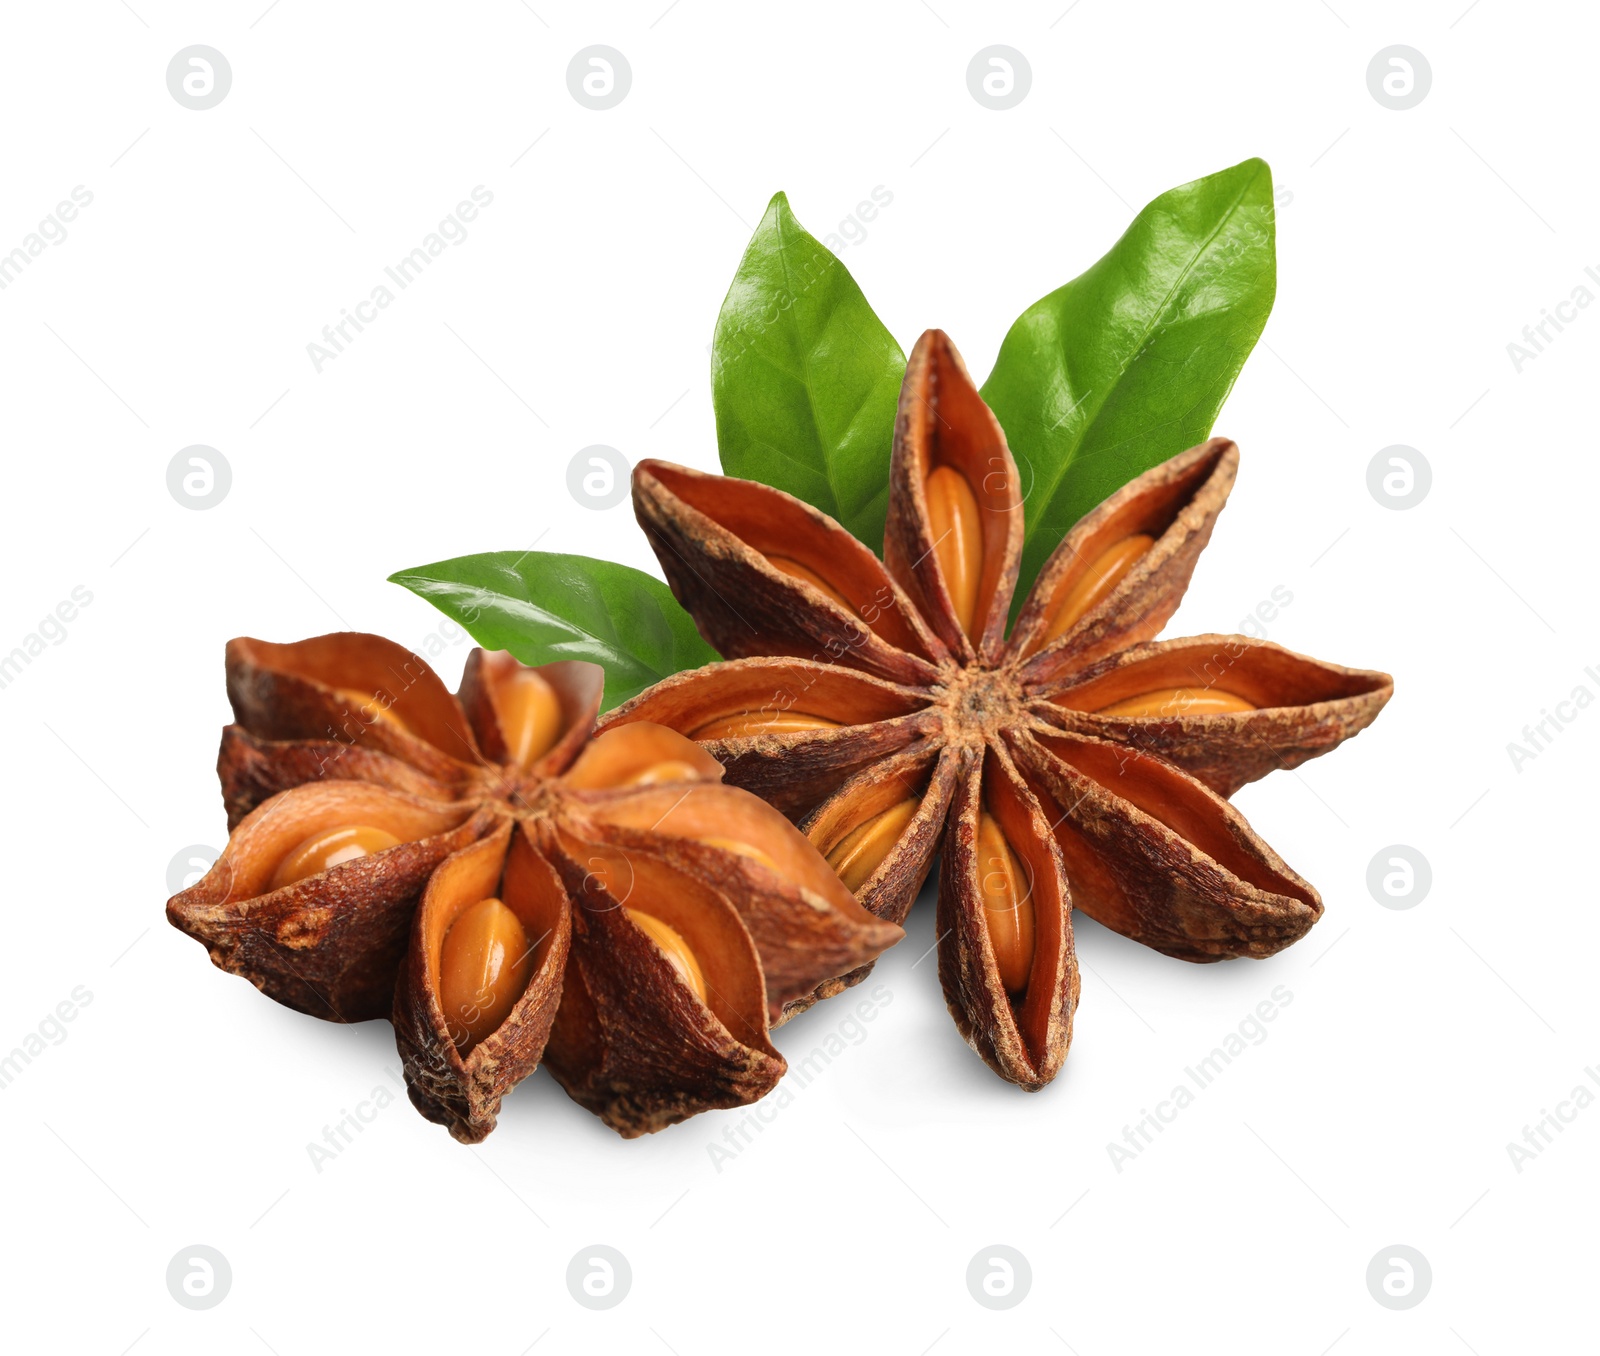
x: 543, y: 607
x: 805, y: 378
x: 1129, y: 363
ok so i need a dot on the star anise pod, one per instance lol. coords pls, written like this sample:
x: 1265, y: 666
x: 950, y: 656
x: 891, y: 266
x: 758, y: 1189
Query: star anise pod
x: 1077, y: 760
x: 506, y: 887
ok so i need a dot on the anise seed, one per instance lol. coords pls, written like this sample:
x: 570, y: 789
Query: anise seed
x: 1172, y: 702
x: 795, y: 570
x: 671, y: 770
x: 957, y: 526
x: 484, y: 965
x: 669, y: 942
x: 369, y: 709
x: 739, y: 849
x: 330, y: 848
x: 746, y: 723
x: 859, y: 854
x: 529, y: 712
x: 1007, y: 904
x: 1105, y: 572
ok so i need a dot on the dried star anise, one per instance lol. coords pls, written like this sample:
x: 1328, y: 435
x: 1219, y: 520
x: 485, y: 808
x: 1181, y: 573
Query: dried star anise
x: 1077, y: 761
x: 506, y: 887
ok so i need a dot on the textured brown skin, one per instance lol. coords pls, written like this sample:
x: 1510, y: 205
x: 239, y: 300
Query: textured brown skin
x: 942, y: 420
x: 1154, y: 885
x: 999, y: 715
x: 790, y: 771
x: 362, y: 939
x: 630, y: 1043
x: 330, y: 945
x: 1027, y: 1041
x: 463, y: 1091
x: 786, y: 619
x: 252, y: 770
x: 1227, y: 751
x: 283, y: 692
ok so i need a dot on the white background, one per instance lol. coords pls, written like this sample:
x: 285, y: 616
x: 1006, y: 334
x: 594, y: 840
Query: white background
x: 1413, y: 247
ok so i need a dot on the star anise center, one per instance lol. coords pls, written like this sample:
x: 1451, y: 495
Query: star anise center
x: 978, y: 701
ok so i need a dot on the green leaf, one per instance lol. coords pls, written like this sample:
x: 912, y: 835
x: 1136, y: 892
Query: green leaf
x: 543, y: 607
x: 1129, y: 363
x: 805, y: 378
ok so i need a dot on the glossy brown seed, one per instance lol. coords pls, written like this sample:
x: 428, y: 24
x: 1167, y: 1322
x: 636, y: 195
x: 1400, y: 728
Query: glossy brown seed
x: 860, y: 853
x: 747, y: 723
x: 529, y: 712
x: 483, y: 968
x: 669, y: 942
x: 1172, y: 702
x: 671, y: 770
x: 957, y: 527
x: 371, y: 709
x: 1105, y: 572
x: 1007, y: 904
x: 795, y: 570
x: 749, y: 850
x: 329, y: 848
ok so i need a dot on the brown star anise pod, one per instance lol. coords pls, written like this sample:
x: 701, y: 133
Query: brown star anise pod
x: 506, y: 887
x: 1077, y: 761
